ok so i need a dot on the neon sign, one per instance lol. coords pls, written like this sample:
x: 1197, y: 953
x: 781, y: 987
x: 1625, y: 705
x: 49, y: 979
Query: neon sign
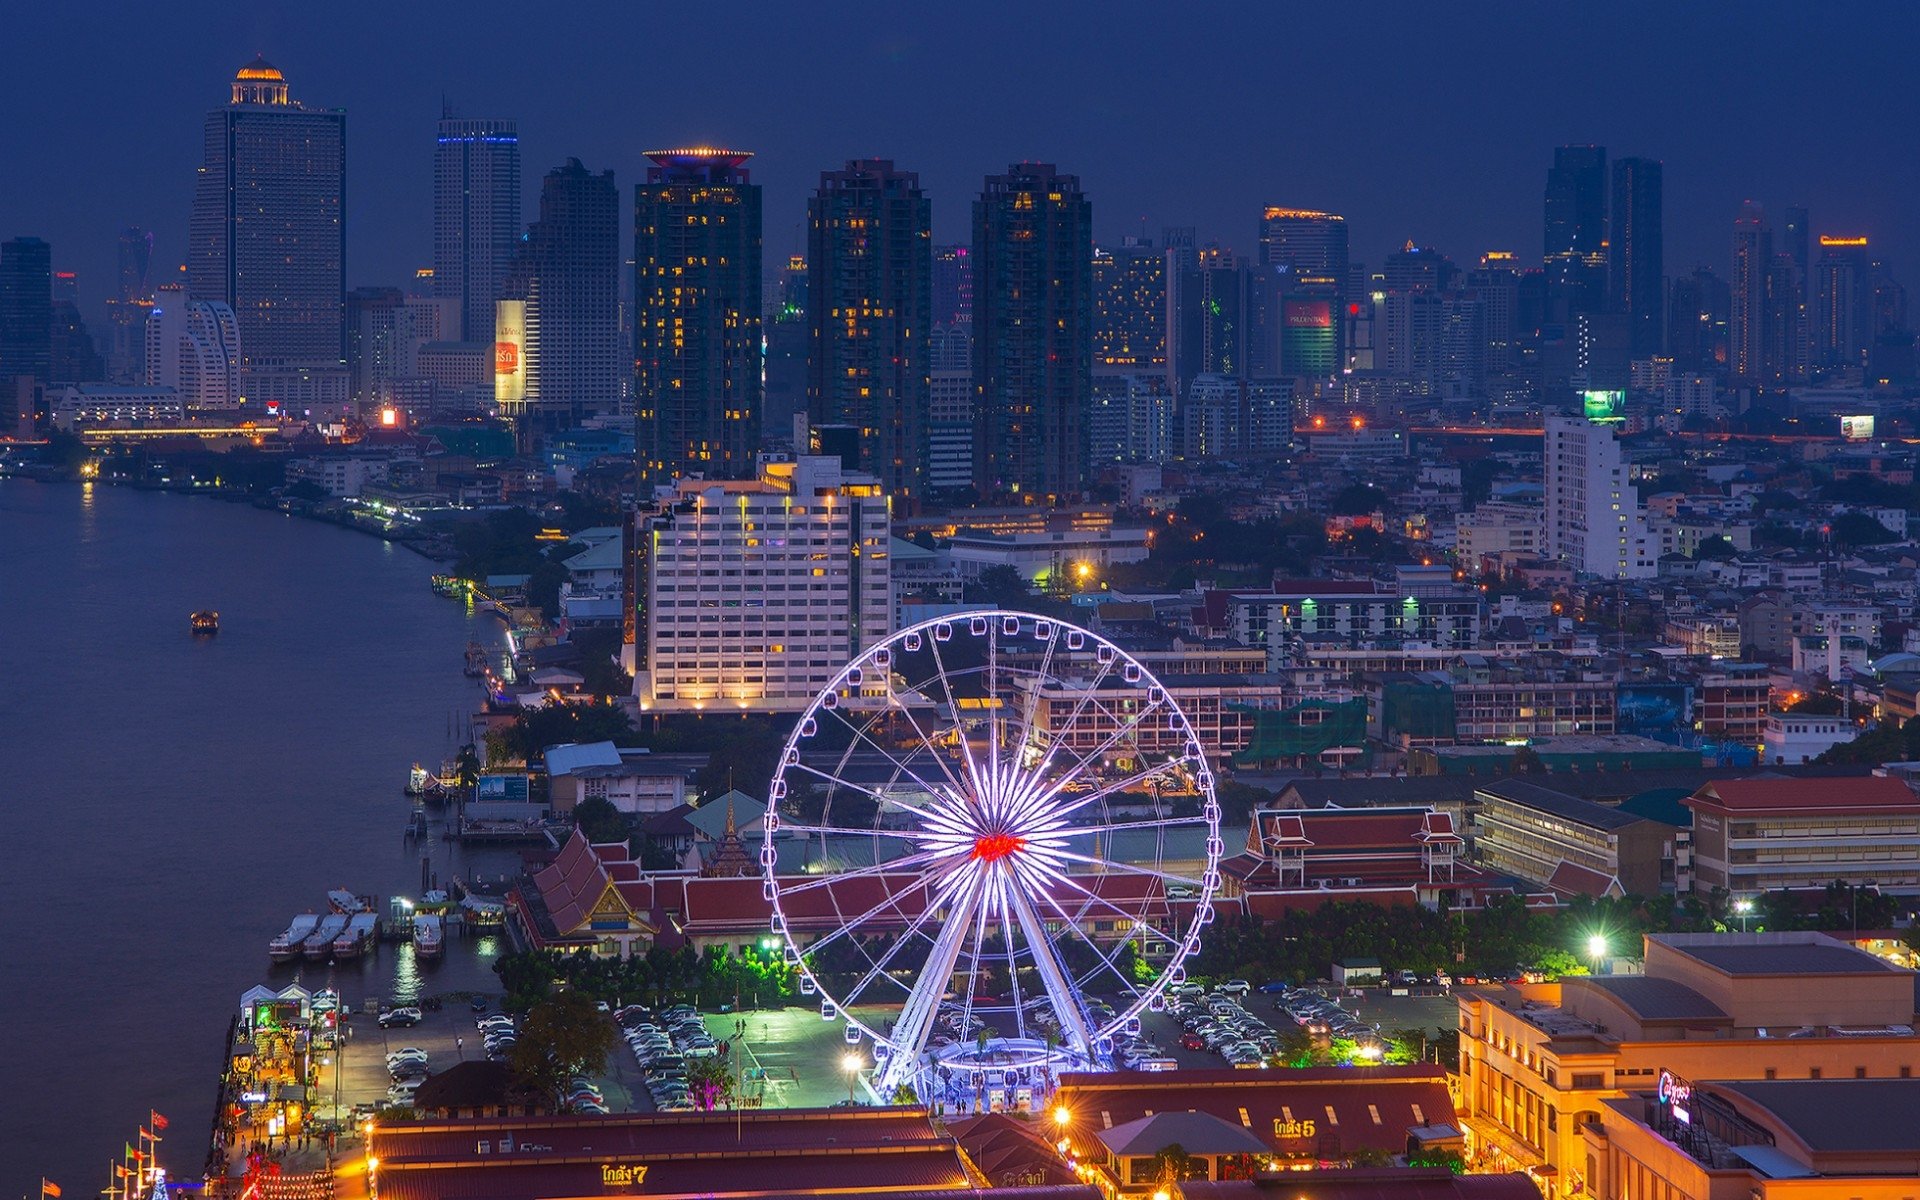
x: 1676, y: 1095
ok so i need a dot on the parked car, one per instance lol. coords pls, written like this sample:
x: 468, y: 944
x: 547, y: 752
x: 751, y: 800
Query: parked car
x: 406, y: 1016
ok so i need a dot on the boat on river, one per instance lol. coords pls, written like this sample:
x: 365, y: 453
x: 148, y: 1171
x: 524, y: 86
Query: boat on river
x: 428, y: 936
x: 285, y: 947
x: 319, y: 944
x: 204, y: 622
x: 362, y: 928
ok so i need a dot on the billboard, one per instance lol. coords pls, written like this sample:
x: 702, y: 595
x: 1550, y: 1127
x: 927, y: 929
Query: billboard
x: 1604, y: 405
x: 1857, y: 428
x: 509, y: 352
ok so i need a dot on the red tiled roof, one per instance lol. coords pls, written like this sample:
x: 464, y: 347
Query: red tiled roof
x: 1863, y: 793
x: 1010, y: 1151
x: 1275, y: 1102
x: 1572, y: 879
x: 1393, y: 1183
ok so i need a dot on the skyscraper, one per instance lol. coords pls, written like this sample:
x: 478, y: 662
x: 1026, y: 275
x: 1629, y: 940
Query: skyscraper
x: 870, y: 300
x: 1594, y: 520
x: 952, y: 285
x: 26, y: 311
x: 1032, y: 333
x: 1130, y: 309
x: 268, y: 236
x: 1309, y: 250
x: 1636, y: 282
x: 128, y: 307
x: 1576, y: 231
x: 476, y: 217
x: 1843, y: 309
x: 568, y: 278
x: 696, y: 329
x: 1747, y: 312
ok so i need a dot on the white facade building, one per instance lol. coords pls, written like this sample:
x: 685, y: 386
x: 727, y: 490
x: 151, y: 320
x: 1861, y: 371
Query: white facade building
x: 193, y: 347
x: 1498, y: 527
x: 1594, y: 521
x: 81, y: 404
x: 1795, y: 738
x: 751, y: 595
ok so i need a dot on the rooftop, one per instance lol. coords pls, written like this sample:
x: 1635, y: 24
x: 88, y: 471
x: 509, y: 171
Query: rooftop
x: 1559, y: 804
x: 1838, y: 1115
x: 1657, y: 999
x: 1194, y: 1132
x: 1774, y: 953
x: 1791, y: 795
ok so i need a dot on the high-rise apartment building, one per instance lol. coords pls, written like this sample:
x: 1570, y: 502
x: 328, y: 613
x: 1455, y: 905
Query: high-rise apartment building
x: 950, y: 410
x: 566, y: 282
x: 952, y: 285
x: 870, y: 300
x: 1576, y: 231
x: 378, y: 343
x: 1594, y: 521
x: 696, y: 294
x: 749, y: 595
x: 26, y: 310
x: 476, y: 218
x: 128, y: 306
x: 1032, y: 333
x: 1698, y: 312
x: 268, y: 236
x: 193, y: 347
x: 1747, y: 311
x: 1130, y: 315
x: 1636, y: 281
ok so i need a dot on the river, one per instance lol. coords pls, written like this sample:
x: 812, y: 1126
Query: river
x: 168, y: 802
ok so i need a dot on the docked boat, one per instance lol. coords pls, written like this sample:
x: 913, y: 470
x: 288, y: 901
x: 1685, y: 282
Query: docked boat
x: 343, y: 901
x: 427, y: 935
x: 419, y: 779
x: 319, y: 944
x: 476, y: 660
x: 205, y: 621
x: 285, y: 947
x: 361, y: 929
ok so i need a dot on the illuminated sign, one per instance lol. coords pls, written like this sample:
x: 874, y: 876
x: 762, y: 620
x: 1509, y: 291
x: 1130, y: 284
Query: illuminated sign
x: 1676, y: 1096
x: 509, y: 351
x: 622, y: 1174
x: 1829, y: 240
x: 1310, y: 314
x: 1858, y: 428
x: 1603, y: 405
x: 389, y: 417
x: 1293, y: 1129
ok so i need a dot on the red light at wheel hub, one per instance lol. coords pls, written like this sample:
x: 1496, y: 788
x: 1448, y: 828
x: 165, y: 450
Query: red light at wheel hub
x: 996, y: 846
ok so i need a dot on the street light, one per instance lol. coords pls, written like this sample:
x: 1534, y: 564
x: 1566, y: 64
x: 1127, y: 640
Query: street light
x: 1062, y: 1117
x: 1743, y: 908
x: 852, y: 1063
x: 1597, y: 950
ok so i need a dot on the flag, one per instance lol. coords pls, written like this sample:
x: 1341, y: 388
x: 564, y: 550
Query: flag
x: 49, y: 1188
x: 135, y: 1155
x: 144, y: 1134
x: 156, y: 1120
x: 121, y: 1171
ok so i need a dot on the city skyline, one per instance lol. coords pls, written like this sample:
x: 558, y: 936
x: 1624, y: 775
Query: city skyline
x: 1486, y: 153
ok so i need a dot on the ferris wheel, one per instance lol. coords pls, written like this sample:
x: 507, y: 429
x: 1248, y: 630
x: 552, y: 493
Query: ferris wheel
x: 991, y: 843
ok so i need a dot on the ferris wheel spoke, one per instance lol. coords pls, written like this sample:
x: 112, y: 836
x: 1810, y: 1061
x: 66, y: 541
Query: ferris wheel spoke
x: 1107, y: 960
x: 951, y: 888
x: 1073, y: 718
x: 843, y: 831
x: 1053, y: 976
x: 853, y: 927
x: 1128, y: 868
x: 895, y: 865
x: 973, y: 971
x: 903, y: 768
x: 878, y: 797
x: 1139, y: 922
x: 1118, y: 735
x: 946, y: 768
x: 1039, y: 681
x: 1118, y: 786
x: 1120, y: 826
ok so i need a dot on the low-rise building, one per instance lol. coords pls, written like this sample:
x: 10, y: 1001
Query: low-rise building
x: 1572, y: 847
x: 1793, y: 738
x: 1539, y: 1063
x: 1759, y: 835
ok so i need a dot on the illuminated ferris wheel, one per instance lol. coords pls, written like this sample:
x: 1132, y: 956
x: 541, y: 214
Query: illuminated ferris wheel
x: 991, y: 843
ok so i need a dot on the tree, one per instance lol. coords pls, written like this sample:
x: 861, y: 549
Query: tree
x: 1527, y: 761
x: 1859, y: 529
x: 1002, y: 587
x: 1176, y: 1164
x: 1716, y: 547
x: 1356, y: 499
x: 600, y: 820
x: 563, y: 1035
x: 711, y: 1083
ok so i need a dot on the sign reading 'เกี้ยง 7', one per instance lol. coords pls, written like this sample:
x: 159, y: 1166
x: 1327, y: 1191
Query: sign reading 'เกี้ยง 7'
x: 622, y: 1174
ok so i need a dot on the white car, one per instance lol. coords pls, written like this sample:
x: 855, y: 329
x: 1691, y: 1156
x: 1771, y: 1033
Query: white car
x: 1234, y: 987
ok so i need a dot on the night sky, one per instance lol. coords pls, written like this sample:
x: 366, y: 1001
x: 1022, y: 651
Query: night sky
x: 1428, y: 121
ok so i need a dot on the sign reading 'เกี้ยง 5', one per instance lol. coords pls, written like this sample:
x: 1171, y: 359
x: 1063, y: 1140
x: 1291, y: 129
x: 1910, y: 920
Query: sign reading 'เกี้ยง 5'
x: 509, y: 351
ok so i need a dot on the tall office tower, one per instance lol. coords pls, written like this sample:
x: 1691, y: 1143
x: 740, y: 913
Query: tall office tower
x: 193, y: 347
x: 1413, y: 326
x: 564, y: 290
x: 26, y: 310
x: 1636, y: 283
x: 870, y: 296
x: 1223, y: 322
x: 696, y: 329
x: 476, y: 217
x: 1182, y: 244
x: 1576, y: 231
x: 748, y: 595
x: 1747, y: 313
x: 127, y: 308
x: 952, y: 285
x: 1412, y: 267
x: 1843, y: 308
x: 1594, y: 521
x: 268, y: 236
x: 950, y: 410
x: 74, y: 358
x: 378, y: 343
x: 1311, y: 249
x: 1032, y: 333
x: 1497, y: 285
x: 1129, y: 309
